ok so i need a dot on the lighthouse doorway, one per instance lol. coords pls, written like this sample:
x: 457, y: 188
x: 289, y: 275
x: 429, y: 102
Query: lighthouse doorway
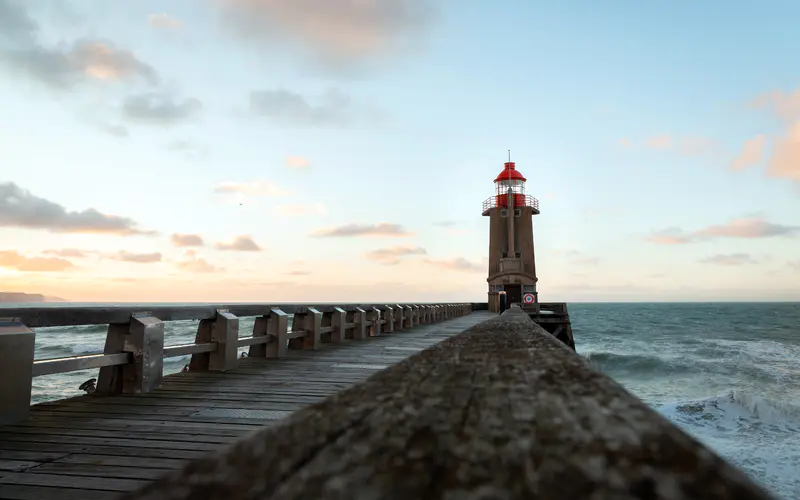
x: 513, y: 293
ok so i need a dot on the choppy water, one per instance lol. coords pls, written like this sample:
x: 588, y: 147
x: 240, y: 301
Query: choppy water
x: 727, y: 374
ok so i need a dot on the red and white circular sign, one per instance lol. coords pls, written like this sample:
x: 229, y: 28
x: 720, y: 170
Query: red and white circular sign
x: 528, y: 298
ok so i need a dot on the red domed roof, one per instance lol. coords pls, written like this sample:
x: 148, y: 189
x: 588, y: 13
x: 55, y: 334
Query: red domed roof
x: 510, y: 173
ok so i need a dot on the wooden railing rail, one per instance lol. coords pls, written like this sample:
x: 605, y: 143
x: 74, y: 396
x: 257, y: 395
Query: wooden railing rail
x: 501, y: 410
x: 133, y: 357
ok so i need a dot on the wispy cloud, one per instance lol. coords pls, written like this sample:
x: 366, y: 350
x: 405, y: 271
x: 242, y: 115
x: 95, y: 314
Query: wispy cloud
x: 731, y: 259
x: 242, y: 243
x: 393, y: 255
x: 14, y: 260
x: 186, y: 240
x: 74, y: 253
x: 752, y: 153
x: 578, y: 257
x: 747, y: 228
x: 334, y: 35
x: 21, y: 209
x: 164, y: 21
x: 355, y: 230
x: 137, y: 258
x: 457, y: 264
x: 191, y: 262
x: 297, y: 162
x: 251, y: 189
x: 160, y: 108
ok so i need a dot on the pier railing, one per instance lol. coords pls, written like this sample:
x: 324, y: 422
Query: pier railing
x: 134, y: 352
x: 501, y: 410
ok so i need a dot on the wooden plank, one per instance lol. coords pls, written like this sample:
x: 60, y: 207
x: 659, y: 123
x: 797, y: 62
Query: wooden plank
x: 95, y: 470
x: 33, y: 456
x: 64, y: 449
x: 75, y: 363
x: 87, y: 483
x: 146, y: 416
x: 65, y: 425
x: 92, y: 422
x: 116, y: 434
x: 153, y: 463
x: 17, y: 492
x: 118, y: 442
x: 16, y: 465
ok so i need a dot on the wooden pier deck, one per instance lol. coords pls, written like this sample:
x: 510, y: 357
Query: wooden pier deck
x: 95, y: 447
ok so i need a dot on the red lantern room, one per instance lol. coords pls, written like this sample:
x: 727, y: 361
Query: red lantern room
x: 510, y: 179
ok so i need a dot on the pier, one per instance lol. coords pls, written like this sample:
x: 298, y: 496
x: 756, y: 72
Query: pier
x: 138, y: 424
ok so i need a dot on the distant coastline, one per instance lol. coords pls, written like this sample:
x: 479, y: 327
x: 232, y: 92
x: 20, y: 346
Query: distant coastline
x: 28, y: 297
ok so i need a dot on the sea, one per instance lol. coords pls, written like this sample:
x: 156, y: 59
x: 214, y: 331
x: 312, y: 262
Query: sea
x: 726, y: 373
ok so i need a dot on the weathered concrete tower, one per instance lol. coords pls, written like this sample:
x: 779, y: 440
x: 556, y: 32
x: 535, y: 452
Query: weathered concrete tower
x: 512, y: 261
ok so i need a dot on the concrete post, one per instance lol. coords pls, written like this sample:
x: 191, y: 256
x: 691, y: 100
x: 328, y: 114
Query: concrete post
x: 16, y: 364
x: 337, y: 322
x: 360, y: 324
x: 225, y: 332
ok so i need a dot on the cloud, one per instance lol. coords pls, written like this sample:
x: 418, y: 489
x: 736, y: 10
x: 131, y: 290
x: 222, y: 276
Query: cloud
x: 783, y: 105
x: 795, y: 265
x: 354, y: 230
x: 785, y: 161
x: 164, y: 21
x: 60, y: 67
x: 659, y: 142
x: 243, y: 243
x: 297, y: 273
x: 392, y: 255
x: 732, y: 259
x: 297, y: 162
x: 115, y: 130
x: 284, y: 107
x: 19, y: 208
x: 138, y: 258
x: 300, y: 209
x: 14, y: 260
x: 159, y: 108
x: 752, y: 153
x: 69, y: 252
x: 457, y: 264
x: 186, y: 240
x: 696, y: 146
x: 747, y: 228
x: 193, y: 263
x: 333, y: 33
x: 625, y: 143
x: 190, y: 149
x: 251, y: 189
x: 445, y: 223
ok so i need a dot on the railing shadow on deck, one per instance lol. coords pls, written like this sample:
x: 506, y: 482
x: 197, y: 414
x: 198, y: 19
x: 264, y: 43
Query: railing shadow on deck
x: 502, y: 410
x: 133, y: 357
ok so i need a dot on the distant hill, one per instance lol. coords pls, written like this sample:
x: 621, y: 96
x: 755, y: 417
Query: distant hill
x: 28, y: 297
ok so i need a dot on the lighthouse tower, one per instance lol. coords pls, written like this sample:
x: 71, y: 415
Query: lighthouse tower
x: 512, y: 262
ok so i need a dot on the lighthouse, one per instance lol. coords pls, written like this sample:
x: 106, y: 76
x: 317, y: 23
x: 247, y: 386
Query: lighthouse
x: 512, y: 260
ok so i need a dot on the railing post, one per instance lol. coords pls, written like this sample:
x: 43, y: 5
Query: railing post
x: 415, y: 315
x: 399, y: 317
x: 337, y: 322
x: 426, y: 314
x: 388, y: 327
x: 373, y: 320
x: 311, y: 322
x: 408, y: 317
x: 143, y: 336
x: 225, y: 332
x: 360, y: 324
x: 17, y: 346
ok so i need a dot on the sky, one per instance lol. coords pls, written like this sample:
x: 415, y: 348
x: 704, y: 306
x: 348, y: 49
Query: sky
x: 340, y: 150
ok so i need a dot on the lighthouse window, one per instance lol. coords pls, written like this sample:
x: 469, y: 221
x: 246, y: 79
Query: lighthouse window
x: 504, y: 212
x: 517, y: 212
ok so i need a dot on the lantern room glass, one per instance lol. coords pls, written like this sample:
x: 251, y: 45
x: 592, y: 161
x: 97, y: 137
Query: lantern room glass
x: 517, y: 187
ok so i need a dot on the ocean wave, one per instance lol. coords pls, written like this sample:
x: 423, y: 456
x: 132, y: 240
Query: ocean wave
x: 736, y: 408
x: 612, y: 362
